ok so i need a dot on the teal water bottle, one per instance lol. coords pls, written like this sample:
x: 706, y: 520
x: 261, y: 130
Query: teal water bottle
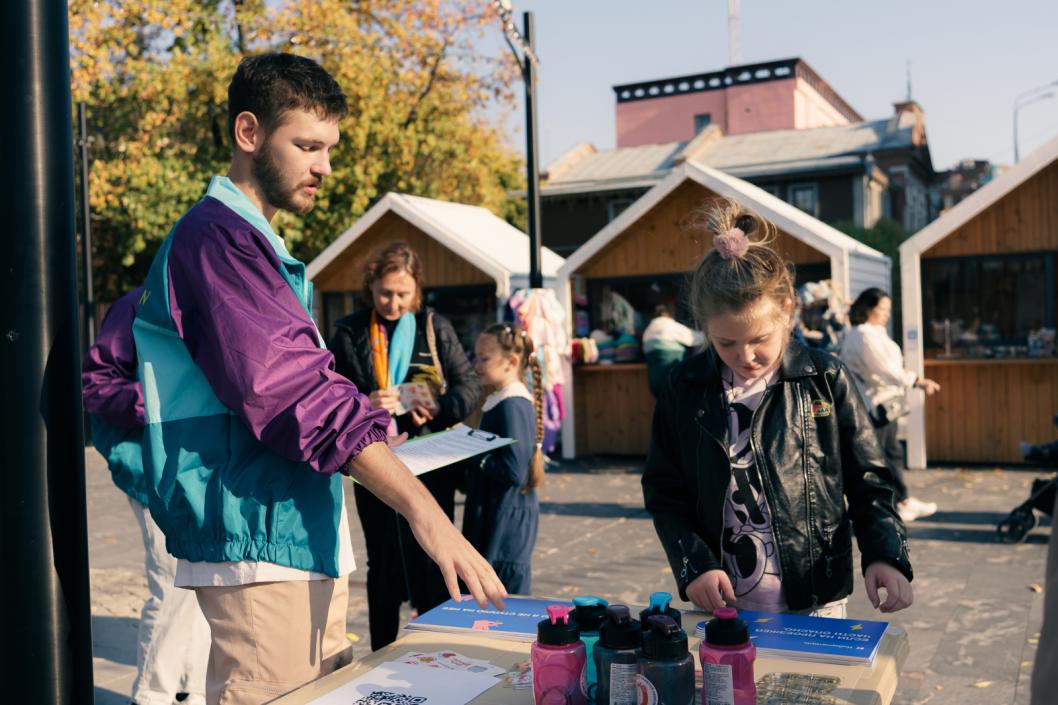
x: 589, y: 612
x: 659, y: 605
x: 616, y: 657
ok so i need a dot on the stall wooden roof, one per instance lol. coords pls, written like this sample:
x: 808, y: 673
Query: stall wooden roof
x: 786, y: 217
x: 477, y: 235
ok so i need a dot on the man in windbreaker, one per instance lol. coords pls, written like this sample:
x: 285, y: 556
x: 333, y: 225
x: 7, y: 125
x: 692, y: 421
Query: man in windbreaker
x: 248, y: 427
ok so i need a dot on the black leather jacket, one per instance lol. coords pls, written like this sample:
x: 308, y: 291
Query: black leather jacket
x: 815, y: 448
x: 351, y: 345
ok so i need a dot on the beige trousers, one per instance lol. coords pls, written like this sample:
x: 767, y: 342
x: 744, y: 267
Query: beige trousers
x: 270, y: 638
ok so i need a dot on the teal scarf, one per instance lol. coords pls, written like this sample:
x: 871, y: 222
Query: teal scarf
x: 401, y: 348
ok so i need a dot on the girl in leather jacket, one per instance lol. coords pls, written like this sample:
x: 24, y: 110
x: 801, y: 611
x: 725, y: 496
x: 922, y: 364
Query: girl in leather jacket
x: 763, y: 458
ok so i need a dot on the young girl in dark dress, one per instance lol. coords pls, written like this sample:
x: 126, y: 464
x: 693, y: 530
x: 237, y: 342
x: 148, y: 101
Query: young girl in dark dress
x: 501, y: 512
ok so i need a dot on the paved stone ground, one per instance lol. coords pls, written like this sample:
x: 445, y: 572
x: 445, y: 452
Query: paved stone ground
x: 973, y: 627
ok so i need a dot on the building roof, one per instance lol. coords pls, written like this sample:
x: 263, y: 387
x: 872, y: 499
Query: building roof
x: 979, y: 201
x: 744, y: 74
x: 786, y: 217
x: 474, y: 233
x: 756, y: 154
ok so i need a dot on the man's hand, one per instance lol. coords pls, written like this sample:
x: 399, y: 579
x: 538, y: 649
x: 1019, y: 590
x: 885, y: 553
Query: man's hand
x: 383, y: 474
x: 709, y: 589
x: 457, y: 560
x: 898, y: 590
x: 388, y: 399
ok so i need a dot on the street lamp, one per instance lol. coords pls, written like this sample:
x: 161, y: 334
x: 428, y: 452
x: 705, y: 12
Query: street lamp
x: 528, y: 61
x: 1033, y: 95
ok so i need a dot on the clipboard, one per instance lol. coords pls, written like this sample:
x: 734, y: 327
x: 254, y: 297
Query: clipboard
x: 444, y: 448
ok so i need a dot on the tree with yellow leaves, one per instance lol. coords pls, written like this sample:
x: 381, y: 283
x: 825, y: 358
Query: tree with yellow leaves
x: 154, y: 76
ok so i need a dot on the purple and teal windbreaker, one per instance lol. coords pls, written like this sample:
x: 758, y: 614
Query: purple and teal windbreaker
x: 247, y: 422
x: 113, y: 398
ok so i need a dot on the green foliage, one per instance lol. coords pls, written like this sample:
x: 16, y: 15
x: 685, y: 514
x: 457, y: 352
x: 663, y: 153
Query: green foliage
x: 154, y: 75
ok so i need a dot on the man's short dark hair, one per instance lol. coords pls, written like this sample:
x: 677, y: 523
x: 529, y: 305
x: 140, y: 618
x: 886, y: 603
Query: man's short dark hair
x: 271, y: 85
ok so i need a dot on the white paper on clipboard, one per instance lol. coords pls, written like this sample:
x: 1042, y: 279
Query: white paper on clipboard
x: 439, y: 450
x: 393, y: 682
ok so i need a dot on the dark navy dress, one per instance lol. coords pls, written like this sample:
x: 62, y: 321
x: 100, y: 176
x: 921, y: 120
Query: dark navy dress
x: 499, y: 520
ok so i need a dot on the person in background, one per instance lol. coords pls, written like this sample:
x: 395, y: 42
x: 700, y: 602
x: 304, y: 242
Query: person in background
x: 394, y: 340
x: 666, y: 342
x: 502, y: 512
x: 1044, y: 673
x: 763, y: 462
x: 172, y: 645
x: 877, y: 363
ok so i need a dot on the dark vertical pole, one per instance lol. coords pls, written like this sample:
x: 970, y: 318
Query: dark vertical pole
x: 536, y: 279
x: 43, y: 546
x: 89, y: 335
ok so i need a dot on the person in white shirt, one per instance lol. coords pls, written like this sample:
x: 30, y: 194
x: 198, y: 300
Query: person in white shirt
x: 665, y: 342
x: 878, y: 365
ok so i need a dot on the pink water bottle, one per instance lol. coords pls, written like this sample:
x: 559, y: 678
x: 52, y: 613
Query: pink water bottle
x: 727, y: 657
x: 558, y: 658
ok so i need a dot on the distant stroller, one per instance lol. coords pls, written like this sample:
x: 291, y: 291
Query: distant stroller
x: 1016, y: 525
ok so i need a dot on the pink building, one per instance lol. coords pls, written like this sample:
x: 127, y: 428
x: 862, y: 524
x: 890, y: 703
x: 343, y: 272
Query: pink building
x: 777, y: 95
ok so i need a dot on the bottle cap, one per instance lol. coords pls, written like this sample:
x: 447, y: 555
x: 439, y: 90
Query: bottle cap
x: 664, y: 639
x: 558, y: 629
x: 659, y: 604
x: 590, y: 612
x: 726, y: 629
x: 620, y: 631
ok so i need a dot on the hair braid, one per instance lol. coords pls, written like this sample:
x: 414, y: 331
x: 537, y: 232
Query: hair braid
x: 512, y: 338
x: 536, y: 465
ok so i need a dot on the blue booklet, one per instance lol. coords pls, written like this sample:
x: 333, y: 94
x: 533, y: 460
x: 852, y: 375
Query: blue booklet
x: 804, y: 638
x: 518, y: 622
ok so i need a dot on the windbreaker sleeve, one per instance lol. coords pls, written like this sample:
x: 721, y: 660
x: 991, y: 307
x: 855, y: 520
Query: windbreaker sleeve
x: 110, y: 388
x: 260, y: 352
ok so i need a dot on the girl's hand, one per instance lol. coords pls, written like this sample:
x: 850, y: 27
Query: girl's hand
x: 928, y: 386
x: 387, y: 399
x: 709, y: 589
x: 898, y: 590
x: 396, y: 441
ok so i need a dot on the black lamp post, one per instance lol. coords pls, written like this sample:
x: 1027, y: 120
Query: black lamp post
x: 527, y: 59
x: 43, y: 532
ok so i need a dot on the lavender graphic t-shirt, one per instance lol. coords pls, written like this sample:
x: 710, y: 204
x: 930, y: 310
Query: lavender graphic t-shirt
x: 751, y: 558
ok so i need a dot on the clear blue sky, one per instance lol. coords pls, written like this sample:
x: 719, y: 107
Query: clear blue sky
x: 969, y: 60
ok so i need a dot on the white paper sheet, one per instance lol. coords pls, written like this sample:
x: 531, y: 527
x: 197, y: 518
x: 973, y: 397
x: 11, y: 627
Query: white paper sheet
x: 404, y: 684
x: 441, y: 449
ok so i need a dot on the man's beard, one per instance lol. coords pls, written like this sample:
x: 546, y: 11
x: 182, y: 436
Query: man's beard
x: 269, y: 177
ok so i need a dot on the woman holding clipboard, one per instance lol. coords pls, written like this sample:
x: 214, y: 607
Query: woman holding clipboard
x: 410, y: 362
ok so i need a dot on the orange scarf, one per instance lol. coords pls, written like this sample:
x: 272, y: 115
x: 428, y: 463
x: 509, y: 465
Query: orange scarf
x: 379, y: 352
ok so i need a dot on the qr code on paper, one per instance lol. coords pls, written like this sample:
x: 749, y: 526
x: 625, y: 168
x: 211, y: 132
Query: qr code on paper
x: 381, y: 697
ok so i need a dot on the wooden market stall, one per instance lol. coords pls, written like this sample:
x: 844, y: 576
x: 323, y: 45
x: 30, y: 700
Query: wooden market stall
x: 645, y: 255
x: 472, y: 260
x: 979, y: 297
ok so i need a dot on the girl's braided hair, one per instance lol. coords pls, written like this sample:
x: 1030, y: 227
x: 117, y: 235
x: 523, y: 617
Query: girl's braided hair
x: 512, y: 338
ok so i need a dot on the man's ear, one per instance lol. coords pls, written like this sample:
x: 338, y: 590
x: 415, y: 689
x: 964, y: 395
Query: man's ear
x: 248, y: 132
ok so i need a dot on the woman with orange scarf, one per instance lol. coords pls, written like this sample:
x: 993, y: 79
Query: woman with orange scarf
x: 392, y: 342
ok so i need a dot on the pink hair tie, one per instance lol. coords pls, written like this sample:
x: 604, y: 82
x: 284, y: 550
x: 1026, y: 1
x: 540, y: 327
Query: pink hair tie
x: 732, y: 244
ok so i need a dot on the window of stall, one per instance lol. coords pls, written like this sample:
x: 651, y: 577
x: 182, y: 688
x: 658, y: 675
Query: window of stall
x: 989, y: 306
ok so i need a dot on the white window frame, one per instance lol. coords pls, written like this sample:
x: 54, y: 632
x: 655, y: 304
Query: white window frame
x: 612, y: 207
x: 811, y: 185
